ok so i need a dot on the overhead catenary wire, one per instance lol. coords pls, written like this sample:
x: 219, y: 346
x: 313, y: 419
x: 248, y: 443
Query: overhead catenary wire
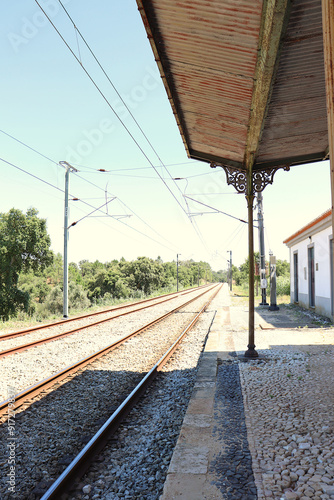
x: 117, y: 116
x: 128, y: 208
x: 95, y: 210
x: 85, y: 180
x: 88, y: 204
x: 77, y: 31
x: 109, y: 105
x: 216, y: 209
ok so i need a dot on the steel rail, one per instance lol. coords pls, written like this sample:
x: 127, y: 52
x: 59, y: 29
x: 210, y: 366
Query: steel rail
x: 82, y: 461
x: 35, y: 343
x: 26, y: 331
x: 32, y: 391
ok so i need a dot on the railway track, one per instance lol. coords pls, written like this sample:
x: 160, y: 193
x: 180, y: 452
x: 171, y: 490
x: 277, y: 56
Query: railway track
x: 82, y: 461
x: 154, y: 369
x: 35, y: 343
x: 45, y: 384
x: 32, y: 329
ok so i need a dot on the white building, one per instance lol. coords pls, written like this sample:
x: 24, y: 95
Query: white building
x: 311, y: 265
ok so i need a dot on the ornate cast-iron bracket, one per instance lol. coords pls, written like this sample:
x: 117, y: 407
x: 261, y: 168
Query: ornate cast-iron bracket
x: 238, y: 178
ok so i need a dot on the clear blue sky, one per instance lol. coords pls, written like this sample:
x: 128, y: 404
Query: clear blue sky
x: 49, y: 104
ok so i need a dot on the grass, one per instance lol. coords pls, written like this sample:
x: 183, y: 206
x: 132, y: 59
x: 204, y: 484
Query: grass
x: 23, y: 320
x: 240, y: 295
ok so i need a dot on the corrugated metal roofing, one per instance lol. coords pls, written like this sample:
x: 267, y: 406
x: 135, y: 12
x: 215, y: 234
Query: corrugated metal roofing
x: 296, y: 124
x: 207, y: 53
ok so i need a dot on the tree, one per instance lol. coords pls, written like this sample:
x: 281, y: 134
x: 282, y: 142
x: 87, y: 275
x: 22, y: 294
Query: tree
x: 144, y: 274
x: 282, y: 268
x: 24, y: 246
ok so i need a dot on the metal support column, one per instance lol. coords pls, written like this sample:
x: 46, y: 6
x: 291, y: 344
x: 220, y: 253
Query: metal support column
x: 262, y: 252
x: 251, y: 352
x: 328, y: 41
x: 68, y: 168
x: 177, y: 272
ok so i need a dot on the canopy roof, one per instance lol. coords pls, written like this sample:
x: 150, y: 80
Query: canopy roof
x: 245, y: 78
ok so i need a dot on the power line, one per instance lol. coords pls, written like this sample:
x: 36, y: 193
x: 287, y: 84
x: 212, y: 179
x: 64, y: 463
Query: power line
x: 85, y: 203
x: 115, y: 113
x: 98, y: 187
x: 128, y: 208
x: 211, y: 194
x: 29, y: 147
x: 109, y: 105
x: 118, y: 94
x: 216, y: 209
x: 95, y: 210
x: 32, y: 175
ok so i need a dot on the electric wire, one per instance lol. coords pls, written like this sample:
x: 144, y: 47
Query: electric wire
x: 95, y: 210
x: 232, y: 242
x: 109, y: 105
x: 118, y: 94
x: 82, y: 178
x: 31, y: 175
x: 211, y: 194
x: 216, y: 209
x: 117, y: 116
x: 29, y: 147
x: 128, y: 208
x: 267, y: 237
x: 85, y: 203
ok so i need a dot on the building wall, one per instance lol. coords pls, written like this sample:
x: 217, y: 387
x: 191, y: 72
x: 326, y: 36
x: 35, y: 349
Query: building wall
x: 321, y: 243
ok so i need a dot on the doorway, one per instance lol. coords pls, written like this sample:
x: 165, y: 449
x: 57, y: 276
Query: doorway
x: 311, y: 285
x: 295, y: 277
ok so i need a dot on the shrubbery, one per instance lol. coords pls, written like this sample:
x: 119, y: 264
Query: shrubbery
x: 283, y: 285
x: 95, y: 283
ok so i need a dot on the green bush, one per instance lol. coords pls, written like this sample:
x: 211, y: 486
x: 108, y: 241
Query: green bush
x: 77, y: 299
x: 283, y: 285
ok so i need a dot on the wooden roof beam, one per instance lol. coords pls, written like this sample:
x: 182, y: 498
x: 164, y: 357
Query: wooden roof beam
x: 275, y: 15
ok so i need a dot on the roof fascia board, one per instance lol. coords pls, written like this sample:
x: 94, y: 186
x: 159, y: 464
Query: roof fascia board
x: 147, y: 15
x: 209, y: 158
x: 311, y: 229
x: 289, y: 162
x: 275, y: 16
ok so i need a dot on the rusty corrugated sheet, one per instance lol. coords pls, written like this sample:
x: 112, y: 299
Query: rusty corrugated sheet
x: 296, y: 124
x: 207, y: 55
x: 207, y: 52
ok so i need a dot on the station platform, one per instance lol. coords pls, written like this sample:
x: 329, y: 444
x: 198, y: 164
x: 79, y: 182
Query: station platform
x: 260, y: 429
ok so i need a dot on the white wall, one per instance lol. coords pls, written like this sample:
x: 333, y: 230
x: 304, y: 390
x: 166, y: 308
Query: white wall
x: 321, y: 243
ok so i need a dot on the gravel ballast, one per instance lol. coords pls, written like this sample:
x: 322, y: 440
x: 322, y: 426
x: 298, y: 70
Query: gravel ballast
x: 278, y: 409
x: 53, y: 429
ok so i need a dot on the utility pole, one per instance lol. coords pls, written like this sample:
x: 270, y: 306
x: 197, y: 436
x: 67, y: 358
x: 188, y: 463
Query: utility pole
x: 198, y: 276
x: 263, y: 280
x: 68, y: 169
x: 177, y: 271
x: 230, y: 277
x: 273, y: 305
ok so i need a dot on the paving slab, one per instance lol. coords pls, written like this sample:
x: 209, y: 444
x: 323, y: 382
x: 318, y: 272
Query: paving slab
x: 220, y: 453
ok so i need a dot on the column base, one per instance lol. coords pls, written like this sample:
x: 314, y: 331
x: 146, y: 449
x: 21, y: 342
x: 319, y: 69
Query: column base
x: 273, y: 307
x: 251, y: 353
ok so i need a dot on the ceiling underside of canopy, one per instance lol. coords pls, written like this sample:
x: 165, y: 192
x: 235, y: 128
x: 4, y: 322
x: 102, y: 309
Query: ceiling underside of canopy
x: 245, y: 78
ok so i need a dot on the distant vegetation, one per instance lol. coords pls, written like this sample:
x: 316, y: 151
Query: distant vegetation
x: 31, y: 275
x: 241, y: 274
x: 97, y: 283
